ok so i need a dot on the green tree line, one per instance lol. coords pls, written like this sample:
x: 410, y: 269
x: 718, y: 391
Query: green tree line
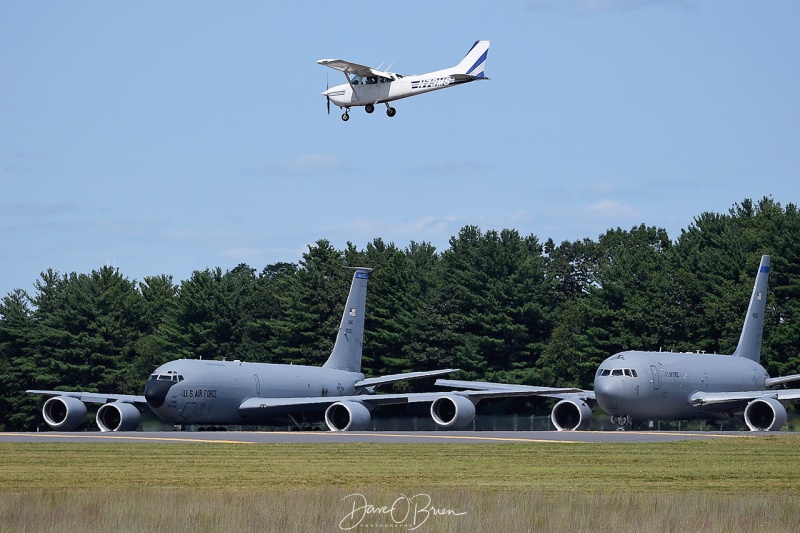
x: 498, y: 305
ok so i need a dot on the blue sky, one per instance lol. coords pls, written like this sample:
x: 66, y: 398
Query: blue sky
x: 169, y: 137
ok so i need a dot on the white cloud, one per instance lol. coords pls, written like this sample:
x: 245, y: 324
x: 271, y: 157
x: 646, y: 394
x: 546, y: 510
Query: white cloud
x: 612, y: 209
x: 30, y: 209
x: 309, y: 164
x: 436, y: 229
x: 316, y: 163
x: 449, y: 168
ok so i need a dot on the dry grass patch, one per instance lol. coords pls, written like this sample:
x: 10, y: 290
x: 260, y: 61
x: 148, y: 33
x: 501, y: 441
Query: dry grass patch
x: 729, y: 484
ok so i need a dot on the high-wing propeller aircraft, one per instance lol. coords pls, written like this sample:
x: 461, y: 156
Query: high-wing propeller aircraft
x: 367, y: 86
x: 211, y: 392
x: 637, y: 386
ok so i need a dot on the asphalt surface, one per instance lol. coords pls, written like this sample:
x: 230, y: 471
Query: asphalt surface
x: 407, y: 437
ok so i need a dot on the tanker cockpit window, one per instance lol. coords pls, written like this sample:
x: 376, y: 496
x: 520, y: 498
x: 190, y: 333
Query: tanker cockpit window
x: 630, y: 372
x: 169, y: 376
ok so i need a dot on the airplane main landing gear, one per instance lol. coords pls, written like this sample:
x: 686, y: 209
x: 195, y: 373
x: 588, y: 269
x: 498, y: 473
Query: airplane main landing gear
x: 623, y: 422
x: 346, y: 115
x: 390, y: 111
x: 369, y: 108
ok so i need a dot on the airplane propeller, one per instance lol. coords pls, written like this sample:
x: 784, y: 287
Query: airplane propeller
x: 328, y: 98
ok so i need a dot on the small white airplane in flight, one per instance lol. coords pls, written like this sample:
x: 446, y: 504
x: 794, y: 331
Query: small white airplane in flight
x: 367, y: 86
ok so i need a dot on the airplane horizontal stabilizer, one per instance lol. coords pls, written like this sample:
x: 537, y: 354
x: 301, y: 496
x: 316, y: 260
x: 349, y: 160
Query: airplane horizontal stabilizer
x: 467, y: 77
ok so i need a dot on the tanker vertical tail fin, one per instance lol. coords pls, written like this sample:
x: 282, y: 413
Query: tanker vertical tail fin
x: 750, y: 339
x: 346, y: 354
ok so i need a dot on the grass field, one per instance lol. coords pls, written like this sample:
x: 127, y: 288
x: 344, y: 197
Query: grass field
x: 726, y: 484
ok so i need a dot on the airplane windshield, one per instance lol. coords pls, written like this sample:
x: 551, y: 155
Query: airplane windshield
x: 630, y: 372
x: 169, y: 376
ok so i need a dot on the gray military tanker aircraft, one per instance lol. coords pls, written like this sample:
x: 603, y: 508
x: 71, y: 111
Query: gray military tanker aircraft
x: 637, y: 386
x: 211, y: 392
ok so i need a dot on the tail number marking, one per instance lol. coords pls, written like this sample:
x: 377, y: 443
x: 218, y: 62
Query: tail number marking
x: 434, y: 82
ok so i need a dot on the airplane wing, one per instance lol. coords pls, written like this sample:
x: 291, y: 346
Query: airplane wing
x: 706, y: 398
x: 780, y: 380
x: 275, y: 406
x: 92, y: 397
x: 394, y: 378
x: 352, y: 68
x: 283, y: 406
x: 477, y: 387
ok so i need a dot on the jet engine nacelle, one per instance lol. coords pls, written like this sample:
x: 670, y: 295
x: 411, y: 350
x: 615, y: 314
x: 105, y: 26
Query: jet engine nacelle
x: 765, y: 414
x: 347, y: 416
x: 571, y: 415
x: 452, y: 411
x: 118, y: 416
x: 64, y: 413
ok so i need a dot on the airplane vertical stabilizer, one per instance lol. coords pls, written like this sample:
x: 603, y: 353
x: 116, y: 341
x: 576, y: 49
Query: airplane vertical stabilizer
x: 750, y: 340
x: 346, y: 354
x: 474, y: 62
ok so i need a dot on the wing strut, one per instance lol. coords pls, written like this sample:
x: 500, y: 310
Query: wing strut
x: 350, y: 83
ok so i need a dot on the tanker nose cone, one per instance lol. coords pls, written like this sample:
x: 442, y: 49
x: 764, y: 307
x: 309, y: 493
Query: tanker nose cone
x: 155, y: 392
x: 607, y: 391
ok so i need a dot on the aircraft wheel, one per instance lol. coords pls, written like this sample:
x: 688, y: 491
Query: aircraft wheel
x: 346, y: 117
x: 623, y: 422
x: 391, y: 111
x: 369, y: 108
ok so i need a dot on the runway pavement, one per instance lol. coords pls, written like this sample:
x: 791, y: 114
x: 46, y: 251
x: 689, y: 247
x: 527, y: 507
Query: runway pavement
x: 407, y: 437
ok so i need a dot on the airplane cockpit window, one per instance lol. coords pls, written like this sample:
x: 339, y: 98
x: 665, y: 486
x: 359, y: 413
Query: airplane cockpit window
x: 372, y: 80
x: 169, y: 376
x: 631, y: 373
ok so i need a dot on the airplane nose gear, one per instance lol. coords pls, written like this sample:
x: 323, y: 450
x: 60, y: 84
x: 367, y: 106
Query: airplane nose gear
x: 622, y: 422
x: 346, y: 116
x: 390, y: 111
x: 369, y: 108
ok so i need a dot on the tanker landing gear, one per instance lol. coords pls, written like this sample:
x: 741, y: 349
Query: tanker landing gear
x: 623, y: 422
